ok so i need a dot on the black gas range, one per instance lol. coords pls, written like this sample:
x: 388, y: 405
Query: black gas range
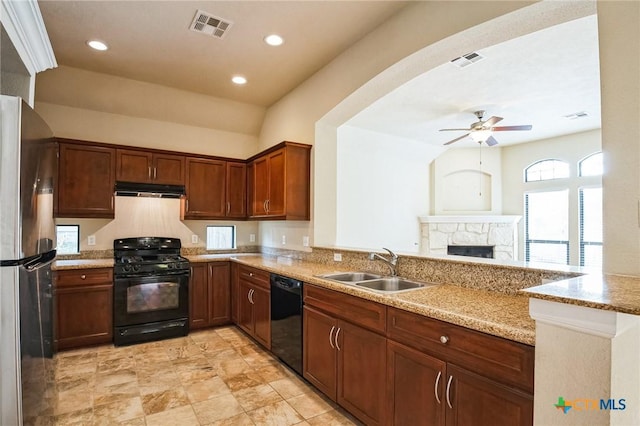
x: 151, y: 290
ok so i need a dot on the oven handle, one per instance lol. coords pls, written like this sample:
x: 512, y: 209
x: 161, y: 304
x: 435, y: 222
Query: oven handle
x: 186, y: 273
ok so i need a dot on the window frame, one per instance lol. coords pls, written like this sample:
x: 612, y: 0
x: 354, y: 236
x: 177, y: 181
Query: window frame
x: 539, y: 162
x: 590, y: 157
x: 581, y: 241
x: 234, y: 237
x: 528, y: 242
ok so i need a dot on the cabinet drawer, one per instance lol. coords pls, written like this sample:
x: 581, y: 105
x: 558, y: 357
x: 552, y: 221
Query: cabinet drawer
x: 358, y: 311
x: 501, y: 359
x: 82, y: 277
x: 256, y: 276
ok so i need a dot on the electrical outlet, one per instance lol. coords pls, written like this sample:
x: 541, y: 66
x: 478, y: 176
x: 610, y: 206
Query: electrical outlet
x: 284, y: 239
x: 305, y: 241
x: 194, y: 239
x: 252, y: 238
x: 337, y: 257
x: 91, y: 240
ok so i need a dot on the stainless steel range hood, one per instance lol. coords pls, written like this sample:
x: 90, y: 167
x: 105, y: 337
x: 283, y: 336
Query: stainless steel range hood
x: 133, y: 189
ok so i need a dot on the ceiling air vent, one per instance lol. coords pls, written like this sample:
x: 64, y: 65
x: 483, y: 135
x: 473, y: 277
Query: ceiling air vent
x: 208, y: 24
x: 466, y: 60
x: 576, y: 115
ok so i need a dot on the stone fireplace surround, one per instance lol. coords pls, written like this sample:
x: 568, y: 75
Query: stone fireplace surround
x: 501, y: 232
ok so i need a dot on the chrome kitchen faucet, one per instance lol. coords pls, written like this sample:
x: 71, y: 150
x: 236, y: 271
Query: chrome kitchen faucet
x: 391, y: 263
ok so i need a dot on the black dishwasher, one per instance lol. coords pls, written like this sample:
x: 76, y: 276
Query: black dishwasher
x: 286, y: 320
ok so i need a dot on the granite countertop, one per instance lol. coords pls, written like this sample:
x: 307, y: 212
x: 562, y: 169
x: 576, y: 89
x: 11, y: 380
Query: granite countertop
x: 60, y: 265
x: 617, y: 293
x: 490, y: 312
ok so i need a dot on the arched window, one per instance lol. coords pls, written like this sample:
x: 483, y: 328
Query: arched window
x: 591, y: 165
x: 545, y: 170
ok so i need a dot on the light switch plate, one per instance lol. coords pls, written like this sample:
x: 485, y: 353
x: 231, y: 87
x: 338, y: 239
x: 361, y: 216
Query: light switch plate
x: 284, y: 239
x: 337, y: 257
x: 305, y: 241
x: 194, y: 239
x: 252, y: 238
x: 91, y: 240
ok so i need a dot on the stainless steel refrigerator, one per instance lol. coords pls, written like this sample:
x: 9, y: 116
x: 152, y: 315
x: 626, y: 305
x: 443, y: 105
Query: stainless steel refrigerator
x: 28, y: 169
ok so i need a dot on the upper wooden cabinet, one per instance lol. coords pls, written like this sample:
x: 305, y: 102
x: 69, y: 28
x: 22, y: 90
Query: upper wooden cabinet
x: 86, y: 177
x: 149, y: 167
x: 216, y: 189
x: 279, y: 183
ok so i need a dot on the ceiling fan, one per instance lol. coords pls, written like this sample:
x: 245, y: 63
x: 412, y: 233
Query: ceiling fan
x: 480, y: 131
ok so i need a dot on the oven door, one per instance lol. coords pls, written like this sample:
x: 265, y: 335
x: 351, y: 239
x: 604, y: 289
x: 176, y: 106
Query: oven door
x: 146, y: 299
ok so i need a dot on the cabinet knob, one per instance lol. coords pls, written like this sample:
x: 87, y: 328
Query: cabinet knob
x: 444, y: 340
x: 250, y: 274
x: 83, y: 277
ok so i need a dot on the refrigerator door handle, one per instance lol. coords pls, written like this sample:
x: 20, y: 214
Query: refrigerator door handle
x: 32, y: 262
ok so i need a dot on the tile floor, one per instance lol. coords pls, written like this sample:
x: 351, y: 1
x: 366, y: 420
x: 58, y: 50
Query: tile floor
x: 212, y: 377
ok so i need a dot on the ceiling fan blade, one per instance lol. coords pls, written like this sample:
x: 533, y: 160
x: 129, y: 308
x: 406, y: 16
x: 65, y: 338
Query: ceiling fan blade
x: 447, y: 130
x: 491, y: 121
x: 491, y: 141
x: 506, y: 128
x: 457, y: 139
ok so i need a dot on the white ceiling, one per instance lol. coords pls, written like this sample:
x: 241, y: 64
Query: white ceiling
x: 151, y: 41
x: 536, y: 79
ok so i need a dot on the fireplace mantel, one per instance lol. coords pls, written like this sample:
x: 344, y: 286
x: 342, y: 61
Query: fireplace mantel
x: 471, y: 219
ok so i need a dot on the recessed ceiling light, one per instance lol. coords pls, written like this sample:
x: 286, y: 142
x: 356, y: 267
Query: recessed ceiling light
x: 273, y: 40
x: 238, y: 79
x: 97, y: 45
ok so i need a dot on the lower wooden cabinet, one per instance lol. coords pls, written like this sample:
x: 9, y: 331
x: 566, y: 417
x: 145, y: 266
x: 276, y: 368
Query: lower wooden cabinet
x: 253, y: 303
x: 83, y: 307
x: 209, y: 294
x: 416, y: 387
x: 442, y: 374
x: 346, y: 361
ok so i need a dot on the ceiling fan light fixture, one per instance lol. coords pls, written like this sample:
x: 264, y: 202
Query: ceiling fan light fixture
x: 97, y: 45
x: 480, y: 136
x: 273, y: 40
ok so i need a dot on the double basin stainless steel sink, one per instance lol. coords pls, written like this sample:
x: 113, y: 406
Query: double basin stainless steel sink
x: 375, y: 282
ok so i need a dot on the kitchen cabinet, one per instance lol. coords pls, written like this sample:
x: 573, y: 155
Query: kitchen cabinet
x: 279, y: 183
x: 83, y: 307
x: 209, y: 294
x: 149, y: 167
x: 467, y: 377
x: 254, y: 304
x: 344, y: 353
x: 86, y: 179
x: 216, y: 189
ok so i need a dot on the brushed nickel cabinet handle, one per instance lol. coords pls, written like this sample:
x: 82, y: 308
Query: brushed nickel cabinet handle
x: 333, y: 327
x: 449, y: 391
x: 268, y: 205
x: 228, y: 207
x: 149, y: 172
x: 435, y: 388
x: 264, y: 206
x: 337, y: 334
x: 155, y: 173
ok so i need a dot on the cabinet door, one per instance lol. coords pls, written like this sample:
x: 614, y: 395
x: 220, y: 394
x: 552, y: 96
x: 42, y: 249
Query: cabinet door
x: 219, y: 293
x: 480, y: 401
x: 416, y: 387
x: 198, y: 296
x: 86, y: 177
x: 168, y: 169
x: 236, y: 190
x: 84, y: 315
x: 262, y: 315
x: 319, y: 359
x: 260, y: 186
x: 276, y: 203
x: 362, y: 362
x: 245, y: 308
x: 133, y: 166
x: 205, y: 188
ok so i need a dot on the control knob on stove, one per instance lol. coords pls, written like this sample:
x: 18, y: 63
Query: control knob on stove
x: 126, y: 268
x: 136, y: 268
x: 171, y: 265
